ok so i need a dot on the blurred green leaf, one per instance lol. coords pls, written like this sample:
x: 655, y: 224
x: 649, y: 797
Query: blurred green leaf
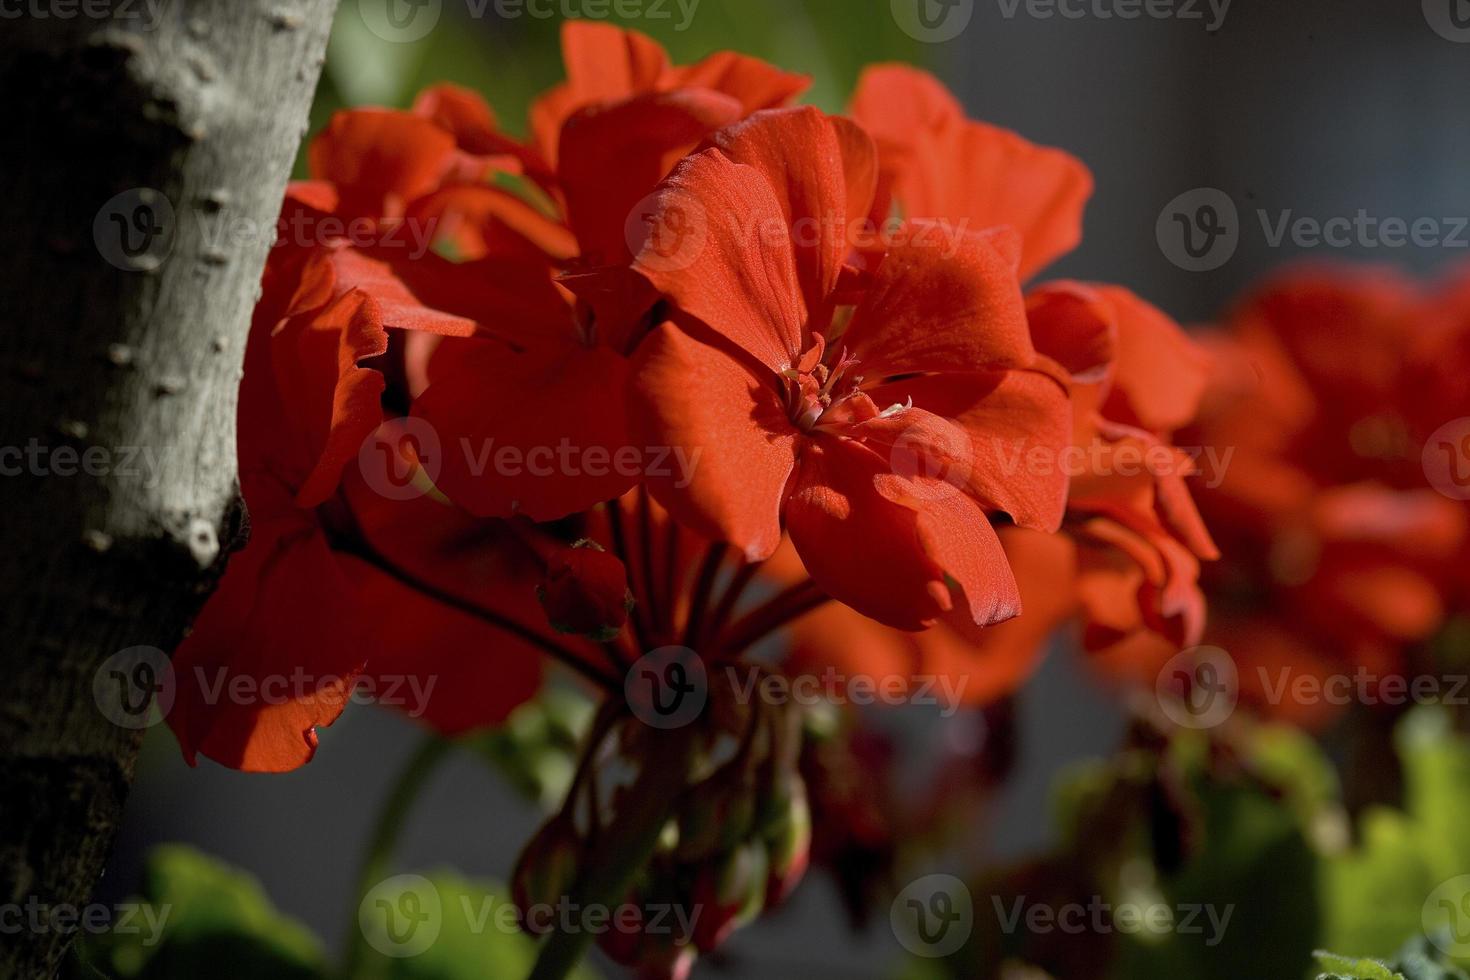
x: 476, y: 936
x: 216, y: 921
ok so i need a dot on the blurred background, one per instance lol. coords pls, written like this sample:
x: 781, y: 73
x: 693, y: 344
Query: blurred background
x: 1314, y: 108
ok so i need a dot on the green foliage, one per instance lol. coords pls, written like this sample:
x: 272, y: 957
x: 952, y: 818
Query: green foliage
x: 1253, y: 828
x: 511, y: 61
x: 1343, y: 968
x: 217, y: 921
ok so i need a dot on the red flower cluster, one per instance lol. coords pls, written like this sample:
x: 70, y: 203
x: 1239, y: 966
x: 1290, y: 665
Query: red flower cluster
x: 1343, y: 397
x: 677, y: 289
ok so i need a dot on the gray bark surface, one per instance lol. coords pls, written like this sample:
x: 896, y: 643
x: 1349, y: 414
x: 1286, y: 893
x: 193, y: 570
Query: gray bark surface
x: 175, y: 123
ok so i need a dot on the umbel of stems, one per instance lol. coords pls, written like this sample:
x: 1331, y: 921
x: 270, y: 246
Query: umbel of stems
x: 718, y: 608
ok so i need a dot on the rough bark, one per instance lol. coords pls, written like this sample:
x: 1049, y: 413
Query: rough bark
x: 133, y: 357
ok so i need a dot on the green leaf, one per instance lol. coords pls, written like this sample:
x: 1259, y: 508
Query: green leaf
x: 1346, y: 968
x: 197, y: 913
x: 471, y: 932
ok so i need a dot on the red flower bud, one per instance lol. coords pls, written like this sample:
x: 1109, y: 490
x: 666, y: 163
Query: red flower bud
x: 729, y: 892
x: 585, y: 591
x: 789, y: 846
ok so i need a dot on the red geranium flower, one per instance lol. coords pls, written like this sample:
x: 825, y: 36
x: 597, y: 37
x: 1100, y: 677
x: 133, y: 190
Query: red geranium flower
x: 817, y: 405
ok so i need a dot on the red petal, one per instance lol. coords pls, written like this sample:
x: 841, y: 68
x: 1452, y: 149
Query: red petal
x: 646, y: 135
x: 739, y: 446
x: 755, y: 83
x: 806, y: 158
x: 485, y: 221
x: 381, y: 159
x: 436, y: 664
x: 722, y: 269
x: 945, y: 167
x: 1072, y: 324
x: 1160, y: 374
x: 604, y: 63
x: 951, y: 308
x: 280, y: 626
x: 1002, y: 440
x: 540, y: 434
x: 884, y: 545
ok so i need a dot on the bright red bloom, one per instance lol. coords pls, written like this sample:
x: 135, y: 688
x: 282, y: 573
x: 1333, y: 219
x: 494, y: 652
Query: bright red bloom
x: 623, y: 101
x: 825, y: 409
x: 299, y: 619
x: 1131, y: 563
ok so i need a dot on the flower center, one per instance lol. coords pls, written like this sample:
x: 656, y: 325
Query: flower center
x: 824, y: 391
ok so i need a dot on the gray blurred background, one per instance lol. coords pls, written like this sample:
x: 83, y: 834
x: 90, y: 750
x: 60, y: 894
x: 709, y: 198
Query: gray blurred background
x: 1319, y: 107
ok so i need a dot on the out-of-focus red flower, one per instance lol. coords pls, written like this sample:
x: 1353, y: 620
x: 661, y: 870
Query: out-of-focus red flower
x: 557, y: 289
x: 832, y: 411
x: 1339, y: 553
